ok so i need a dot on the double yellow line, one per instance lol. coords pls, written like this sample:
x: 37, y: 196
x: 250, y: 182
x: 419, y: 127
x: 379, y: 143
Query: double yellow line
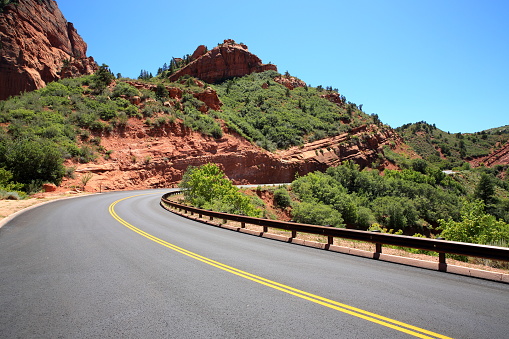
x: 356, y: 312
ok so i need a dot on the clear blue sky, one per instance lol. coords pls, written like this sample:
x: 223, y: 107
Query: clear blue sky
x: 441, y: 61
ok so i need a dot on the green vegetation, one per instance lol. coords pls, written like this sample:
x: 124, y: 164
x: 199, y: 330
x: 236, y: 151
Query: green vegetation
x: 274, y: 117
x: 282, y: 197
x: 476, y: 226
x: 262, y: 110
x: 446, y: 150
x: 469, y: 206
x: 407, y: 200
x: 317, y: 214
x: 207, y: 187
x: 397, y: 200
x: 40, y: 129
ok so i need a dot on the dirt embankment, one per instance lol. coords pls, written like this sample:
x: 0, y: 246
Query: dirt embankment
x: 140, y: 156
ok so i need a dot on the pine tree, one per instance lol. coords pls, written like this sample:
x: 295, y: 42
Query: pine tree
x: 485, y: 189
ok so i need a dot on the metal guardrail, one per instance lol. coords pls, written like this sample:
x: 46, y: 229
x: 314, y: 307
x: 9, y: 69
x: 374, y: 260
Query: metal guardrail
x: 442, y: 247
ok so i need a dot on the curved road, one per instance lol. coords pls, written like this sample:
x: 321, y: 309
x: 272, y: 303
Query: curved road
x: 118, y: 265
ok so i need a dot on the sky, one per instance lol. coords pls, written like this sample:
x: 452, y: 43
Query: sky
x: 445, y: 62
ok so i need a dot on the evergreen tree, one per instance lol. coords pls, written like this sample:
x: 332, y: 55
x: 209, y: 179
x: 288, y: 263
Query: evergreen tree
x: 145, y: 75
x: 102, y: 78
x: 485, y: 189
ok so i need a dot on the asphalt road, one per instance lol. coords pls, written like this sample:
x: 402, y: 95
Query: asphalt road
x: 84, y: 268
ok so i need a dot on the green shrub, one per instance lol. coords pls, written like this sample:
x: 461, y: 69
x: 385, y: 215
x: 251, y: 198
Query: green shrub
x: 395, y: 212
x: 123, y: 88
x: 475, y: 226
x: 207, y: 187
x: 317, y: 214
x: 38, y: 159
x: 282, y: 197
x: 4, y: 195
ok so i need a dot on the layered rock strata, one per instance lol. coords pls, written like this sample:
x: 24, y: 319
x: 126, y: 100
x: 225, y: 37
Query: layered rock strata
x: 143, y: 157
x: 37, y: 46
x: 226, y: 61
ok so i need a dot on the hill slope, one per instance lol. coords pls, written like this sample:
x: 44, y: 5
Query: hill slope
x: 451, y: 150
x: 144, y: 133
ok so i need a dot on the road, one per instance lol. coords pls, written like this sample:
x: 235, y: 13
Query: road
x: 117, y: 265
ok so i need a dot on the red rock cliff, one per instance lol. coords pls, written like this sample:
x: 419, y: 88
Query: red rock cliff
x: 228, y: 60
x: 38, y: 46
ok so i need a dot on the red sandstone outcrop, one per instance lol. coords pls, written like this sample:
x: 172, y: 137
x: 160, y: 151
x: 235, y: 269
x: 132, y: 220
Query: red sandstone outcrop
x: 362, y: 145
x: 208, y: 96
x: 144, y: 157
x: 499, y: 156
x: 38, y: 46
x: 335, y: 98
x: 226, y: 61
x: 290, y: 82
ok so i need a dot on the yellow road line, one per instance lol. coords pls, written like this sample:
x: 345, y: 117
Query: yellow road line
x: 357, y: 312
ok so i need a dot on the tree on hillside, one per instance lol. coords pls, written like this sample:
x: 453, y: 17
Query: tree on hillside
x: 35, y: 161
x: 485, y: 189
x: 420, y: 165
x: 208, y: 187
x: 102, y: 78
x: 161, y: 92
x: 145, y: 75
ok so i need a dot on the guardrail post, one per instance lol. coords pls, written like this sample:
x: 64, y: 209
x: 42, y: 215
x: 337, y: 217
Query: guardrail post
x: 265, y: 229
x: 442, y: 265
x: 330, y: 241
x: 294, y: 234
x: 378, y: 247
x: 242, y: 225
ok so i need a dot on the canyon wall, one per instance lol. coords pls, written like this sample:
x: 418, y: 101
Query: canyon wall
x: 37, y: 46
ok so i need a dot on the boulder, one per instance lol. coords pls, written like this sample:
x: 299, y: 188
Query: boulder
x: 210, y: 98
x: 49, y: 187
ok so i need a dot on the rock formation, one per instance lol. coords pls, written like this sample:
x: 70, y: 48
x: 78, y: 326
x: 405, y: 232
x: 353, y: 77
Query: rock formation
x: 208, y: 96
x: 151, y: 157
x: 290, y: 82
x: 499, y: 156
x: 226, y: 61
x: 37, y: 46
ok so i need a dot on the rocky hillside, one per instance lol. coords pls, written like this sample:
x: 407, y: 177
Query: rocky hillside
x: 499, y: 156
x: 226, y: 61
x: 141, y: 156
x: 156, y: 152
x: 222, y: 106
x: 449, y: 150
x: 37, y: 46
